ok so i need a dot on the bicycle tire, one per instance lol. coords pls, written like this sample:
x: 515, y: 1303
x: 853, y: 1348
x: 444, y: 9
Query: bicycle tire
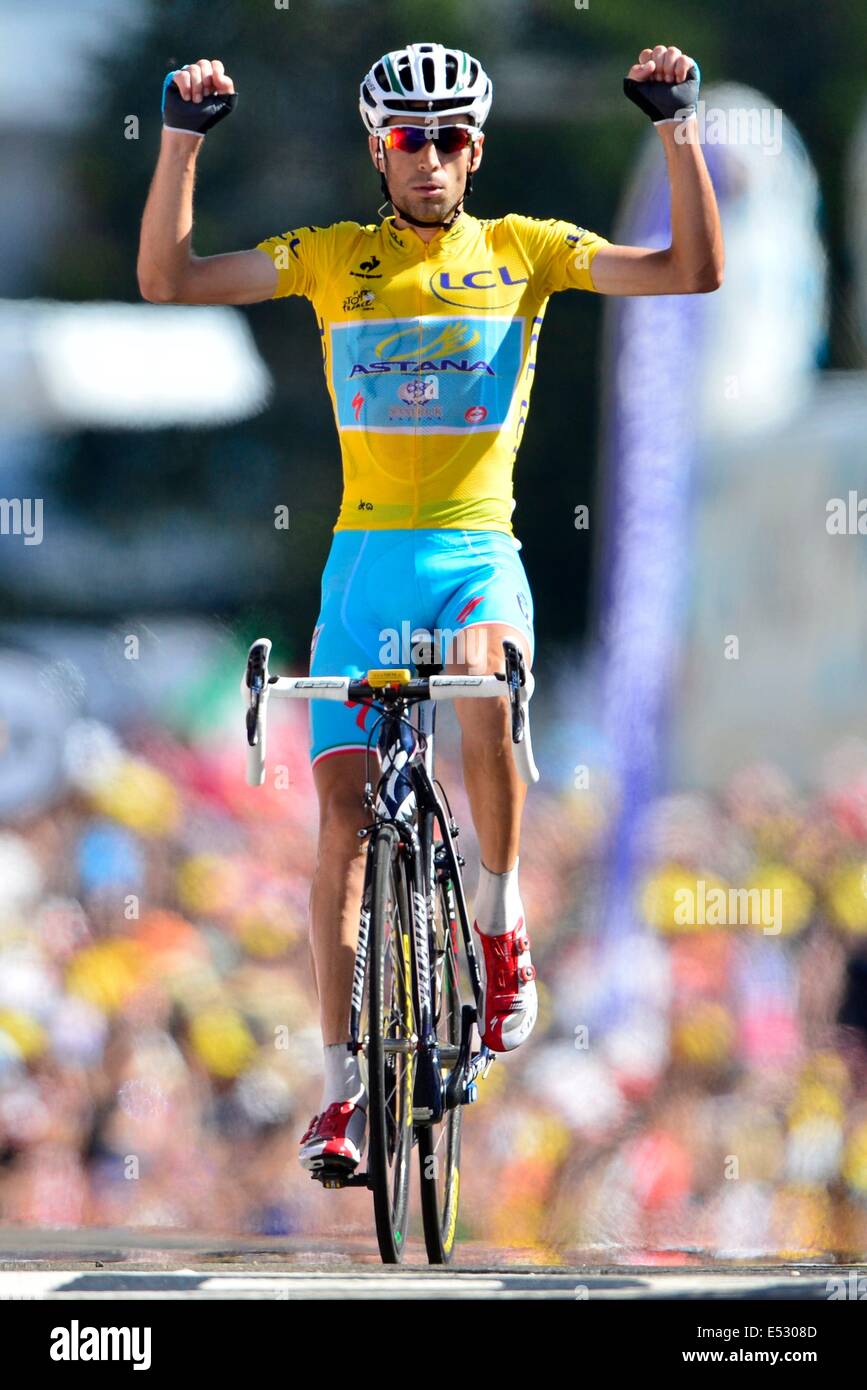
x: 439, y: 1146
x: 389, y: 1019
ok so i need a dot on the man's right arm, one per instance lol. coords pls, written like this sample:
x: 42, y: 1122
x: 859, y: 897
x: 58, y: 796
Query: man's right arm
x: 168, y: 272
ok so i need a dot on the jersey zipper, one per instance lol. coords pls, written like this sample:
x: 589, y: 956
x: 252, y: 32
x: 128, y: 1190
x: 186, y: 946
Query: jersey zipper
x: 416, y: 434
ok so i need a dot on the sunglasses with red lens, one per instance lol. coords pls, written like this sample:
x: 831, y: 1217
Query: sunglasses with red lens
x: 412, y: 138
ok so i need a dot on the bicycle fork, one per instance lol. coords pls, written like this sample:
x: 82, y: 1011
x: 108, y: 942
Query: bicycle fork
x: 429, y: 1093
x: 428, y: 1090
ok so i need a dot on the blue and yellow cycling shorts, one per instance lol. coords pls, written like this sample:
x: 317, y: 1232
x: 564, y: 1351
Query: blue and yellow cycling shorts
x: 381, y: 587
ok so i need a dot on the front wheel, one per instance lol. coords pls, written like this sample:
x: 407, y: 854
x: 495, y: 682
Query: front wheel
x: 389, y: 1044
x: 439, y: 1146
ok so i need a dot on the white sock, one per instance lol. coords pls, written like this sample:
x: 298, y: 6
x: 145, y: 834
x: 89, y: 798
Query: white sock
x: 498, y: 901
x: 342, y: 1079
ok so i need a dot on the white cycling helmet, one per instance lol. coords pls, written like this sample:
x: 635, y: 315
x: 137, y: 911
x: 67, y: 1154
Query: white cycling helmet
x: 448, y: 81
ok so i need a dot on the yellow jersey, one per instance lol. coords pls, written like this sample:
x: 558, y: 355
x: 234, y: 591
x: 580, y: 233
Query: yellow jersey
x: 429, y: 350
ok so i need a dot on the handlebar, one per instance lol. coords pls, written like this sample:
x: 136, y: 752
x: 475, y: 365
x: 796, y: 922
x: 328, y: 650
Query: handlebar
x: 258, y: 686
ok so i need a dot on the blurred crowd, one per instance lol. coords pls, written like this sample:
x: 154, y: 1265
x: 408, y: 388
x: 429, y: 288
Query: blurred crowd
x: 689, y: 1090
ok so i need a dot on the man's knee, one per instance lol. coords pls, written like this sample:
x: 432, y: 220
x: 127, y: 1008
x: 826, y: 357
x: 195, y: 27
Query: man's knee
x: 487, y: 724
x: 340, y: 789
x: 481, y: 653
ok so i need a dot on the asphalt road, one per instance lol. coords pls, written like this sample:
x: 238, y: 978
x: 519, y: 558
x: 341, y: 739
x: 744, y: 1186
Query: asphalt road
x: 118, y: 1265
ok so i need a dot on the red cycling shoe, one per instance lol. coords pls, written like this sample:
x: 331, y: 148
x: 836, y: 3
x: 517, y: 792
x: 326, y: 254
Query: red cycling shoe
x: 335, y: 1138
x: 509, y: 1001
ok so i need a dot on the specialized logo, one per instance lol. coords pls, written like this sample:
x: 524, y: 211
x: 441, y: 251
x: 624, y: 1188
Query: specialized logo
x: 361, y: 957
x: 490, y: 288
x: 421, y: 949
x: 317, y: 632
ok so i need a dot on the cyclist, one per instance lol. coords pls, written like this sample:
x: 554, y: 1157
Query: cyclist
x: 428, y: 323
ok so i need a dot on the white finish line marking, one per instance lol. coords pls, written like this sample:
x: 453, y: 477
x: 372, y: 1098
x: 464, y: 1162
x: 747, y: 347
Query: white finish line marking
x: 117, y: 1283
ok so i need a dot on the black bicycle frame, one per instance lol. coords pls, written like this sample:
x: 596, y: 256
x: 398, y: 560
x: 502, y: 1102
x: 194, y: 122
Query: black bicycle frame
x: 427, y: 868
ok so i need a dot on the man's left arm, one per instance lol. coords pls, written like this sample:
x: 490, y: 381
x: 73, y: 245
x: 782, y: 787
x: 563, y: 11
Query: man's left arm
x: 693, y: 263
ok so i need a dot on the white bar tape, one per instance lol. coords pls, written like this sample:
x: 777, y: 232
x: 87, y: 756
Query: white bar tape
x: 465, y: 687
x: 256, y: 762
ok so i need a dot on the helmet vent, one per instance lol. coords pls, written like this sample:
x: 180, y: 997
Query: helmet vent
x: 396, y: 106
x: 425, y: 77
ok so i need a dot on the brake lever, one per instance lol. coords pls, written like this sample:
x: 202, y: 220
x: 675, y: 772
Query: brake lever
x: 515, y: 677
x: 257, y: 682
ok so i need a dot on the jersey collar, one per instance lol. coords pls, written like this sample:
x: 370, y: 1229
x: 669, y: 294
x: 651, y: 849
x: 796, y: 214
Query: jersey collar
x: 405, y: 241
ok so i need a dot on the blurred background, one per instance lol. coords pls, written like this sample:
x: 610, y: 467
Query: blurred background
x: 692, y: 1090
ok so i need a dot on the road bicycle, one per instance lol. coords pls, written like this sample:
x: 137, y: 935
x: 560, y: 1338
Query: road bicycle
x: 411, y: 1022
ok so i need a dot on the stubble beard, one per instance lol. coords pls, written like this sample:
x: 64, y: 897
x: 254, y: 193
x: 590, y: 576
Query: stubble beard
x: 427, y: 209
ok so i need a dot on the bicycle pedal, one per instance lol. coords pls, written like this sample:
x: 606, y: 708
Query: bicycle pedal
x: 329, y: 1182
x: 332, y: 1176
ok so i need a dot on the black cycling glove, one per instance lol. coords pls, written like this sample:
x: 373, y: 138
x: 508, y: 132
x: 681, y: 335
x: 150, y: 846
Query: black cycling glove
x: 663, y: 101
x: 197, y: 117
